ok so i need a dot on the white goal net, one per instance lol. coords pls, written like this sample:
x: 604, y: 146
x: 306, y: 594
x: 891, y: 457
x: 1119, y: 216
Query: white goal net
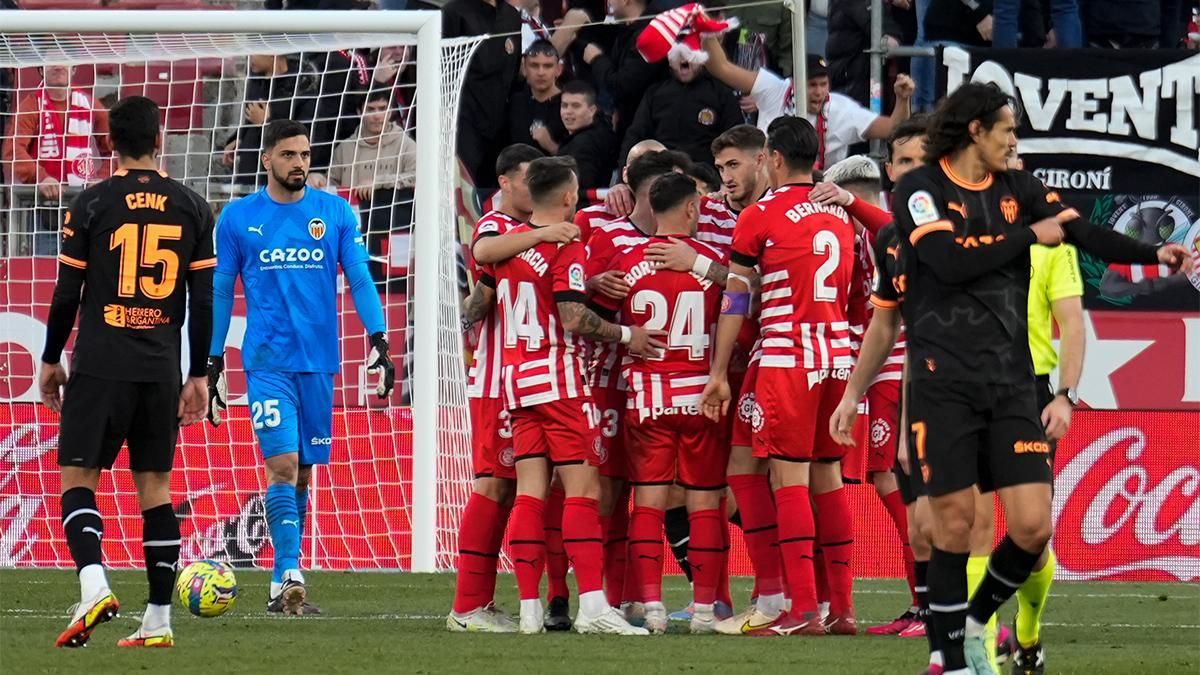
x: 381, y: 110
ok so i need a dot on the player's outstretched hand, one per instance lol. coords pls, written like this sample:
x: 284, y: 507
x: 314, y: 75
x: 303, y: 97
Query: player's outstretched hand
x: 380, y: 362
x: 1176, y: 257
x: 676, y: 255
x: 611, y: 284
x: 193, y: 400
x: 51, y: 380
x: 1049, y: 231
x: 619, y: 200
x: 830, y: 193
x: 218, y: 391
x: 714, y: 402
x: 646, y: 343
x: 841, y: 424
x: 559, y: 233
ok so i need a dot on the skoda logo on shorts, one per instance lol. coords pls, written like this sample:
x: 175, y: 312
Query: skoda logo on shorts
x: 600, y: 450
x: 317, y: 440
x: 881, y: 431
x: 507, y: 457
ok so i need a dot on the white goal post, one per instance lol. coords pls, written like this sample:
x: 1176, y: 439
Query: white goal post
x: 438, y: 414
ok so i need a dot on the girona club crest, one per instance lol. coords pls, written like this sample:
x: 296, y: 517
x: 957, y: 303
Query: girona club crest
x: 600, y: 450
x: 1127, y: 497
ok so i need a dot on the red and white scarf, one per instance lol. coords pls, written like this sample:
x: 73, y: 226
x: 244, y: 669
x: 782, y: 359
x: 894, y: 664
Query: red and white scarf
x: 67, y: 154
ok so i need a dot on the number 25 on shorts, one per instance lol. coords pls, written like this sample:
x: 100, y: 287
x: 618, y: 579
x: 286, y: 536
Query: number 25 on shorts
x: 265, y: 413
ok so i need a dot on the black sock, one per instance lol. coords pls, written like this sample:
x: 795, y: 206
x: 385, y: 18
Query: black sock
x: 160, y: 545
x: 83, y: 526
x: 678, y: 529
x: 947, y: 575
x: 736, y: 519
x: 921, y: 567
x: 1008, y: 567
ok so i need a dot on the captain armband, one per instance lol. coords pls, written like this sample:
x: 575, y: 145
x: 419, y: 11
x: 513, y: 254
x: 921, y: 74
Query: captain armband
x: 735, y: 303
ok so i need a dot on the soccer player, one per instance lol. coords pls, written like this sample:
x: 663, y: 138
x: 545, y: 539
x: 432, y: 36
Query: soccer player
x: 481, y: 532
x: 965, y: 224
x: 542, y: 296
x: 805, y: 255
x: 618, y: 202
x: 141, y: 245
x: 669, y: 440
x: 286, y: 242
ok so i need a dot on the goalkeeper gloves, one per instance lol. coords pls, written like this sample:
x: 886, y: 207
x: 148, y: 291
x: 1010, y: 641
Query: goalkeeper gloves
x: 218, y: 391
x: 380, y: 362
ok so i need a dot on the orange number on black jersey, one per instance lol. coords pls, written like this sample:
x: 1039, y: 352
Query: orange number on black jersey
x: 129, y: 280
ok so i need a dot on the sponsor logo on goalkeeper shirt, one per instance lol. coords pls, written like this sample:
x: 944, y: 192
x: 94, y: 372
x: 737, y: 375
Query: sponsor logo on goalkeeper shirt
x: 291, y: 258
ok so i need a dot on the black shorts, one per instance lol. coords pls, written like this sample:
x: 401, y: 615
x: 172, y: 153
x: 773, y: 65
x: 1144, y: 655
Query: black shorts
x: 912, y: 487
x: 967, y: 433
x: 100, y: 415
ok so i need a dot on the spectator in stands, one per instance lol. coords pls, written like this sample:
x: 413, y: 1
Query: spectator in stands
x: 535, y: 112
x: 394, y: 70
x: 592, y: 142
x: 1017, y: 23
x: 685, y: 112
x: 60, y: 135
x: 764, y: 39
x: 1124, y: 24
x: 955, y: 22
x: 533, y: 28
x: 279, y: 87
x: 345, y: 78
x: 621, y: 71
x: 489, y: 79
x: 848, y: 42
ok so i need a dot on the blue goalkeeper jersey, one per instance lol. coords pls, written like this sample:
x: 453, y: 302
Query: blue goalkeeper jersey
x: 287, y: 256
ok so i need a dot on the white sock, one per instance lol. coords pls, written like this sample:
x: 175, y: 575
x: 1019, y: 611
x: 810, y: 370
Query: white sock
x: 91, y: 582
x: 650, y: 606
x: 156, y: 617
x: 770, y: 604
x: 702, y: 611
x: 974, y: 628
x: 823, y: 609
x: 935, y: 658
x: 293, y: 575
x: 276, y: 587
x: 593, y: 603
x: 530, y: 607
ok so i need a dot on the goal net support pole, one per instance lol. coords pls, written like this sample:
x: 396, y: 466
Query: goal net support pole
x: 433, y: 212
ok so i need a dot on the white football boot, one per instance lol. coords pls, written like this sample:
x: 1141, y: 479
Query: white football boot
x: 607, y: 622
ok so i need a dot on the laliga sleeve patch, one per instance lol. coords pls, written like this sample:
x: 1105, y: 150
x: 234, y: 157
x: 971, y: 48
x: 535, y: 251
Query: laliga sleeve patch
x: 575, y: 278
x: 921, y: 208
x: 488, y: 227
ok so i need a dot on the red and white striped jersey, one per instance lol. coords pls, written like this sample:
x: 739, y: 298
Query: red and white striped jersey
x: 685, y: 306
x: 1136, y: 273
x: 591, y: 217
x: 805, y: 253
x: 484, y: 379
x: 541, y: 360
x: 716, y: 223
x: 859, y: 309
x: 605, y: 245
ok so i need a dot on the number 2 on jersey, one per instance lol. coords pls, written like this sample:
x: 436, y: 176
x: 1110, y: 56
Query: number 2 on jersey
x: 687, y: 329
x: 520, y: 315
x: 125, y: 238
x: 825, y: 243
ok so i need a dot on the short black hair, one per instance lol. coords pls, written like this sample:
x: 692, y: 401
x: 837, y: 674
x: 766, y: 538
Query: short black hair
x: 547, y: 175
x: 742, y: 137
x: 580, y: 88
x: 795, y: 139
x: 917, y: 125
x: 706, y: 173
x: 133, y: 126
x: 512, y: 157
x: 384, y: 95
x: 670, y: 191
x: 281, y: 130
x: 542, y: 48
x: 654, y: 164
x: 950, y: 130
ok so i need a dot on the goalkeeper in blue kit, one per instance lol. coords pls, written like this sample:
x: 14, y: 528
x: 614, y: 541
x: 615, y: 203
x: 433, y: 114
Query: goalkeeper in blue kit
x: 286, y: 241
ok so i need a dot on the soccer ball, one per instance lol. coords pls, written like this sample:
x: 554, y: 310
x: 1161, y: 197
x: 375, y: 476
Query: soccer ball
x: 207, y: 588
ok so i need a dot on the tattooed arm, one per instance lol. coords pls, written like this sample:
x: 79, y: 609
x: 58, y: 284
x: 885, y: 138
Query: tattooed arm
x: 585, y: 322
x: 478, y: 304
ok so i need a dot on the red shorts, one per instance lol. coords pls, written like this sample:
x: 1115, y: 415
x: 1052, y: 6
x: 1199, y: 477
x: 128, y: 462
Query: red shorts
x: 491, y: 439
x: 561, y: 431
x: 856, y: 456
x: 742, y: 407
x: 607, y: 418
x: 685, y: 449
x: 884, y: 400
x: 790, y: 419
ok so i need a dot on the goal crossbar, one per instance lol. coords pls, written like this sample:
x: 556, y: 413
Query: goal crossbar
x: 427, y: 221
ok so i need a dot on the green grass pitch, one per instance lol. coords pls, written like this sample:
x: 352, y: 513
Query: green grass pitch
x: 394, y: 623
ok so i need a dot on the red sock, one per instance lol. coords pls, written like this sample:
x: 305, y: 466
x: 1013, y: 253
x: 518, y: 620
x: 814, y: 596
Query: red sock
x: 584, y: 542
x: 706, y: 554
x: 837, y: 540
x: 475, y: 556
x: 528, y: 544
x: 723, y: 592
x: 556, y: 556
x: 819, y: 576
x: 497, y: 543
x: 616, y: 544
x: 895, y: 508
x: 646, y: 551
x: 796, y: 535
x: 753, y: 494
